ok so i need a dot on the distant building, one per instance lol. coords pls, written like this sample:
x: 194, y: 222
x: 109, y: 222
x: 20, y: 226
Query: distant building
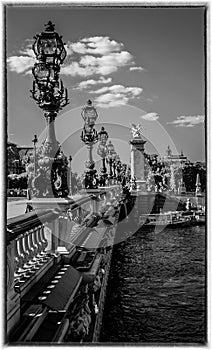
x: 175, y: 159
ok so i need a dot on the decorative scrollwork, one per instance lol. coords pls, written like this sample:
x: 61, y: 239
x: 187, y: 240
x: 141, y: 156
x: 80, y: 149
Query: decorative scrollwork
x: 89, y: 135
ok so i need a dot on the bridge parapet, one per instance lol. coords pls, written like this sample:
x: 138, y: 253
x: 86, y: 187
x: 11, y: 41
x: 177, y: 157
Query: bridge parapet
x: 26, y: 257
x: 38, y: 240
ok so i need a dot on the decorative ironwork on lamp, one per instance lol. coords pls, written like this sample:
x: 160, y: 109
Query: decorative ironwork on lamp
x: 109, y: 158
x: 48, y: 46
x: 114, y: 155
x: 89, y: 136
x: 102, y: 151
x: 51, y: 96
x: 35, y: 141
x: 118, y: 168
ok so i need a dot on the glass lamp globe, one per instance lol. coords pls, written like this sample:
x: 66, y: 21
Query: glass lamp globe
x: 49, y: 46
x: 110, y: 147
x: 103, y: 136
x: 89, y: 114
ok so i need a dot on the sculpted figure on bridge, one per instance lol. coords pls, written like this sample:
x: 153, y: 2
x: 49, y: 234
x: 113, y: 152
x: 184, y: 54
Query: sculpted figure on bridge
x: 136, y: 130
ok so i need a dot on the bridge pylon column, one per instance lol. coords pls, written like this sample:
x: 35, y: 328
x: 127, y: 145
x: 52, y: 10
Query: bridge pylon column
x: 137, y: 164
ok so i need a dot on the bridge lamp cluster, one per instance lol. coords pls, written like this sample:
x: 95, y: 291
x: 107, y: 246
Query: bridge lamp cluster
x: 50, y: 177
x: 50, y: 165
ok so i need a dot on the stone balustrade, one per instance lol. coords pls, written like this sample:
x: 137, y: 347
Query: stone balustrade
x: 38, y: 239
x: 26, y: 244
x: 26, y: 257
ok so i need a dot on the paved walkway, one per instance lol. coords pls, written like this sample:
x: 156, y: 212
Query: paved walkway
x: 16, y: 207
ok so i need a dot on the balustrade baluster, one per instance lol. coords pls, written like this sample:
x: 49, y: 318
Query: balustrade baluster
x: 43, y: 243
x: 29, y: 265
x: 18, y: 262
x: 33, y: 242
x: 28, y: 250
x: 33, y: 249
x: 43, y: 238
x: 41, y: 255
x: 38, y: 245
x: 38, y: 241
x: 24, y: 257
x: 21, y: 252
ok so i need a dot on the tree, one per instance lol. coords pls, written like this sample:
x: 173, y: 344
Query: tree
x: 189, y: 177
x: 150, y: 182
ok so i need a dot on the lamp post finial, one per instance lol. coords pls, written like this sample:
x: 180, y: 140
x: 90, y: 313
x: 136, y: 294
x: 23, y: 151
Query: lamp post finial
x: 49, y: 27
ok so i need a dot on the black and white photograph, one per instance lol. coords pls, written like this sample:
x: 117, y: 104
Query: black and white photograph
x: 105, y: 169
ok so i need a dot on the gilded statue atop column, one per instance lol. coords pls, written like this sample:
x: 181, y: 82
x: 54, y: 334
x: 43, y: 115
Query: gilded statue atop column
x: 136, y: 131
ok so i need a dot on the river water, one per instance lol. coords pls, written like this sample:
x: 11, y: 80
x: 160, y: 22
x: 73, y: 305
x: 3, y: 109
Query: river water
x: 156, y: 292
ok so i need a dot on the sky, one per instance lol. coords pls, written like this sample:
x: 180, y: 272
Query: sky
x: 138, y: 65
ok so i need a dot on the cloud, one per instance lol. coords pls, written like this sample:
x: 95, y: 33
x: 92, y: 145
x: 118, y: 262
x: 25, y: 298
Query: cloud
x: 24, y: 61
x: 111, y: 100
x: 97, y: 45
x: 136, y: 68
x: 150, y: 116
x: 28, y: 51
x: 85, y: 84
x: 119, y: 89
x: 115, y: 95
x: 188, y: 121
x: 78, y: 47
x: 75, y: 69
x: 97, y: 55
x: 20, y: 64
x: 88, y: 65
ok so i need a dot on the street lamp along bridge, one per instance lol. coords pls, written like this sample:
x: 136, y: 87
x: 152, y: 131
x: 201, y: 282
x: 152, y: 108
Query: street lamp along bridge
x: 50, y: 179
x: 102, y: 151
x: 89, y: 136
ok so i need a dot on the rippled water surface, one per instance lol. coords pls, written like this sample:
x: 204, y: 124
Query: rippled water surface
x: 156, y: 290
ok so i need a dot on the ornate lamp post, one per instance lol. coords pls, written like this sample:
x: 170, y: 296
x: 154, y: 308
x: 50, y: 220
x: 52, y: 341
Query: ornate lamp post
x: 118, y: 168
x: 51, y: 96
x: 35, y: 140
x: 109, y: 158
x: 70, y: 176
x: 123, y: 174
x: 102, y: 151
x: 89, y: 136
x: 114, y: 155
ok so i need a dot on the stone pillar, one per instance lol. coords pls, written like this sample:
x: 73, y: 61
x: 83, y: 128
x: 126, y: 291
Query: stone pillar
x: 198, y: 186
x: 137, y: 163
x: 198, y: 193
